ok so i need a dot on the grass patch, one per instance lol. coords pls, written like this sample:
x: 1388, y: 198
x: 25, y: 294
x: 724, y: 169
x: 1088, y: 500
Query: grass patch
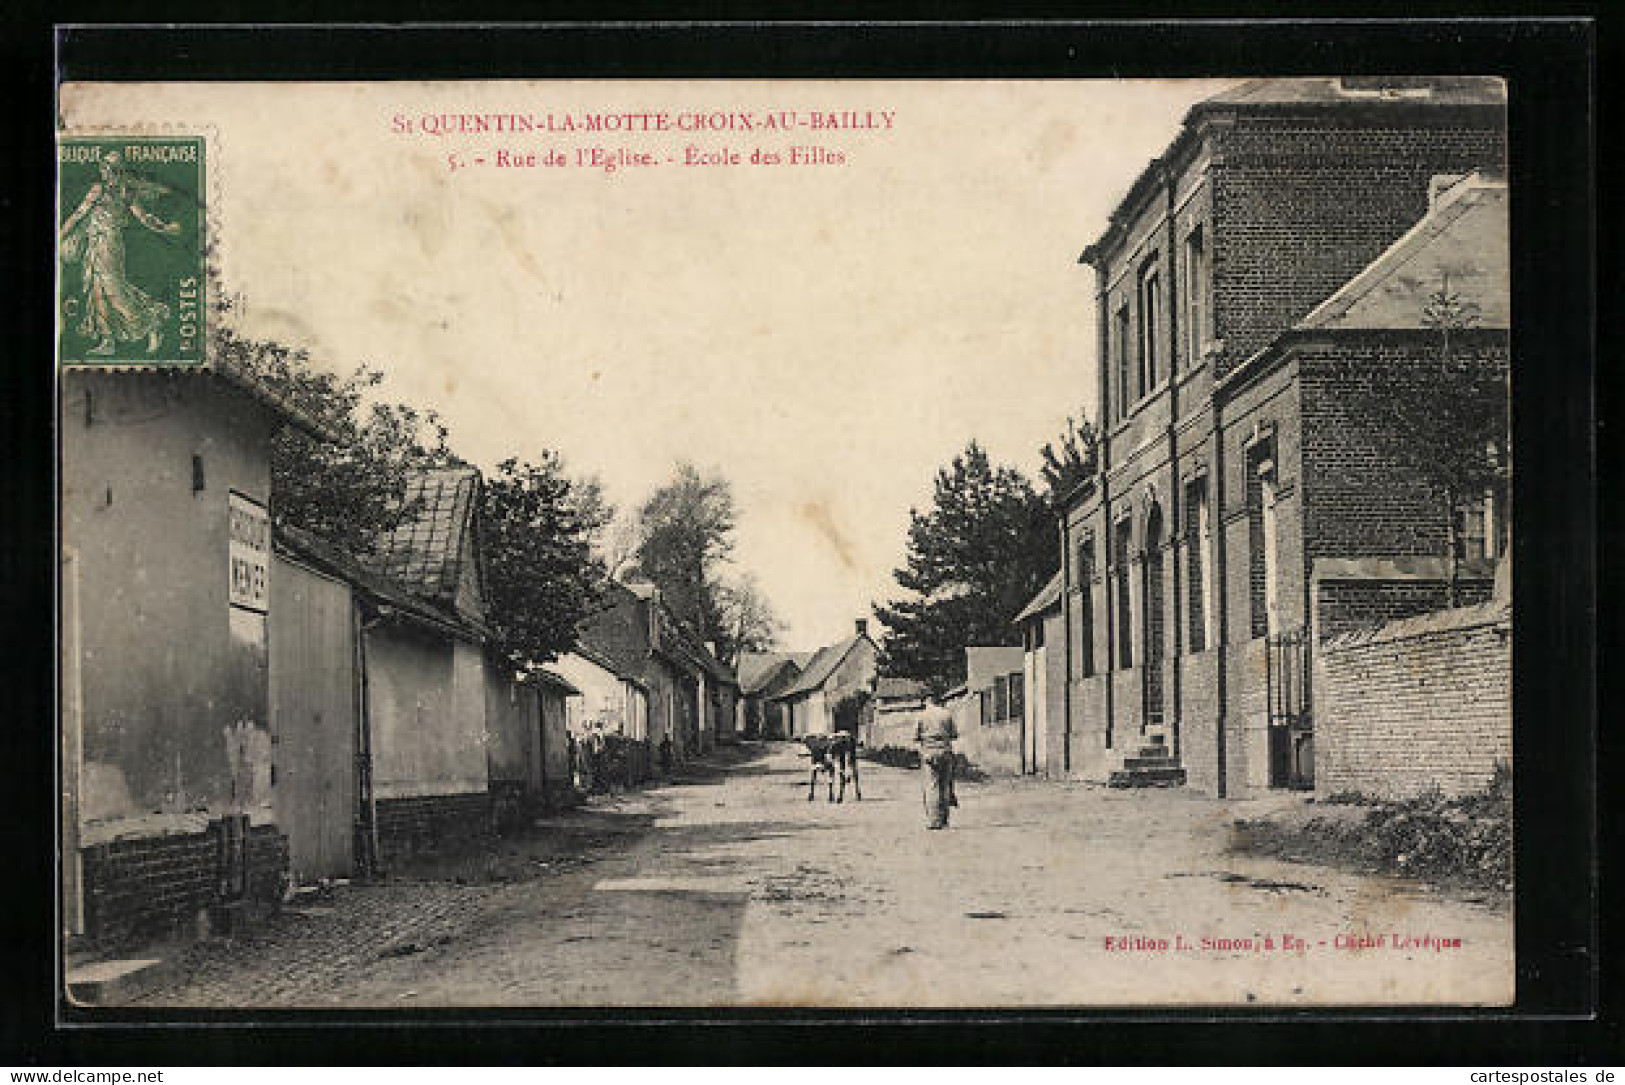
x: 1454, y: 842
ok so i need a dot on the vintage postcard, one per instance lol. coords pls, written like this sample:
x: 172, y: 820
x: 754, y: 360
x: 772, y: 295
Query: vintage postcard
x: 793, y: 543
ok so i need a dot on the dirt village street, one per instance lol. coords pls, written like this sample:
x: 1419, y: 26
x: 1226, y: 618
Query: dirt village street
x: 726, y: 886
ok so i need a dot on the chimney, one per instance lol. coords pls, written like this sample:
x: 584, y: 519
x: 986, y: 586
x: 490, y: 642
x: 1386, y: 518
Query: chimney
x: 862, y: 625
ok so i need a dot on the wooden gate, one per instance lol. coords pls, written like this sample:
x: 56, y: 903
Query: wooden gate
x: 313, y: 720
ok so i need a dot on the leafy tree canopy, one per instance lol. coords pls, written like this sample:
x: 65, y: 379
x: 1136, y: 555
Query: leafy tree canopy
x: 536, y: 542
x: 1071, y: 459
x: 974, y: 558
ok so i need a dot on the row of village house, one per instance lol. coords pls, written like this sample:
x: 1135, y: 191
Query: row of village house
x: 1250, y: 595
x: 301, y: 713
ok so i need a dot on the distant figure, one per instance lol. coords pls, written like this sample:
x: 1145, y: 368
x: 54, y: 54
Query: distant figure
x: 935, y: 734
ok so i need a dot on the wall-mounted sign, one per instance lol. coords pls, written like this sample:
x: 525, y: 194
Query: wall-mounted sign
x: 250, y: 552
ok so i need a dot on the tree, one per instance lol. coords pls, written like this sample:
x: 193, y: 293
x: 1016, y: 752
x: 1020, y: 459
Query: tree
x: 748, y: 621
x: 685, y: 534
x: 1455, y: 437
x: 536, y: 545
x: 1072, y: 459
x: 974, y: 559
x: 349, y: 491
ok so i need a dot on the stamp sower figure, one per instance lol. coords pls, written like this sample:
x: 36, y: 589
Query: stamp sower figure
x: 935, y: 733
x: 114, y: 307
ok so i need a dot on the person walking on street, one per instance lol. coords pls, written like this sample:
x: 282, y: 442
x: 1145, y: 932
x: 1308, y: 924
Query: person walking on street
x: 935, y: 733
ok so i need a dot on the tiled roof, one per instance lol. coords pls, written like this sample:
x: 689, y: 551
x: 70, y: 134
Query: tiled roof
x: 311, y: 548
x: 758, y: 669
x: 821, y: 666
x: 1462, y: 241
x: 1048, y: 596
x: 427, y: 551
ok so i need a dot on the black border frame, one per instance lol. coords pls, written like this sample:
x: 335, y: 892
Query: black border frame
x: 1554, y: 115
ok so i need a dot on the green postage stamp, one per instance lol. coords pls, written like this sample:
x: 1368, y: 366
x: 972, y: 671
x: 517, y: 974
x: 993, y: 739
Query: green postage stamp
x: 130, y: 250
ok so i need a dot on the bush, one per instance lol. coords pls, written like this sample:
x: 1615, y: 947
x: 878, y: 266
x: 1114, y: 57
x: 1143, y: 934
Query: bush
x: 1463, y: 841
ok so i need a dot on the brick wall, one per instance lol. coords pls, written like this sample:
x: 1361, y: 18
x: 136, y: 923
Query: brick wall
x: 1360, y: 501
x: 1345, y: 606
x: 1302, y: 206
x: 407, y: 825
x: 156, y: 886
x: 1416, y: 703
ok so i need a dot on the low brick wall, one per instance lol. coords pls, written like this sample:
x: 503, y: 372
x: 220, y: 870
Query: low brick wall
x: 156, y: 886
x: 425, y: 822
x: 1414, y: 704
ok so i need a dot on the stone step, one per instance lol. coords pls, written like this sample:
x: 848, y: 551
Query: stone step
x: 1159, y: 760
x: 110, y: 982
x: 1166, y: 776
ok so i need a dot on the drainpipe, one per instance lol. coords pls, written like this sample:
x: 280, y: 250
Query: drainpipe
x: 367, y: 801
x: 1068, y: 575
x: 1174, y: 496
x: 1222, y: 604
x: 1107, y: 547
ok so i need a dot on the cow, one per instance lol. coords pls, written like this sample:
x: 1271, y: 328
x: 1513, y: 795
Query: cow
x: 837, y: 755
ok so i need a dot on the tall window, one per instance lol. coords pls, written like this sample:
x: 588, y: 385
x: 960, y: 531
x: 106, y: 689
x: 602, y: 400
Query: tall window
x: 1477, y: 532
x: 1150, y: 315
x: 1125, y: 620
x: 1196, y: 274
x: 1261, y: 536
x: 1086, y: 607
x: 1018, y: 695
x: 1001, y: 697
x: 1197, y: 546
x: 1121, y: 334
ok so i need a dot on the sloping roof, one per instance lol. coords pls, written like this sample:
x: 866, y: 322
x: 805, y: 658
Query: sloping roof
x: 1329, y: 90
x: 899, y: 689
x: 1048, y: 596
x: 758, y: 669
x: 557, y: 681
x: 427, y: 551
x: 234, y: 375
x: 822, y: 665
x: 313, y: 549
x: 1460, y: 244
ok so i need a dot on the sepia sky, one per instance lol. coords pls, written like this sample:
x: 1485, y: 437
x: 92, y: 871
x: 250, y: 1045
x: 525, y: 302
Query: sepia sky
x: 823, y: 335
